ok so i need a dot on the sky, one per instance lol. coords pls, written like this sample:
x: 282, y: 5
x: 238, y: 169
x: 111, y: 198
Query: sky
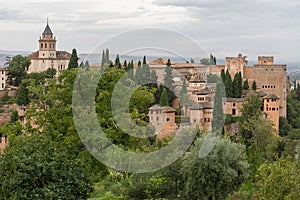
x: 222, y: 27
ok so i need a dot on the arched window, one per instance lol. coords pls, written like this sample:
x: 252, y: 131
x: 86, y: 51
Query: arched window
x: 46, y: 45
x: 42, y: 45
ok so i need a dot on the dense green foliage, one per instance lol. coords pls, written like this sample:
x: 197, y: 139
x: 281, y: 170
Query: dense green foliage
x: 17, y: 69
x: 35, y: 167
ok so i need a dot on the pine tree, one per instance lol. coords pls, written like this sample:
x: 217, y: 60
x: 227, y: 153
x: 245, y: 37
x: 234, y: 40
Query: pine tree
x: 218, y: 115
x: 254, y: 87
x: 73, y: 60
x: 164, y: 99
x: 228, y: 85
x: 246, y: 85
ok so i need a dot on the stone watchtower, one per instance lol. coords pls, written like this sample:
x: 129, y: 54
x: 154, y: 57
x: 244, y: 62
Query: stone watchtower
x: 47, y: 44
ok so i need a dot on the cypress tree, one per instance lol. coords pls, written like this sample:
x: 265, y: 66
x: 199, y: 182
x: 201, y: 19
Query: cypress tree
x: 246, y: 85
x: 218, y: 116
x: 153, y: 78
x: 144, y: 60
x: 235, y: 86
x: 146, y: 73
x: 254, y: 87
x: 73, y: 60
x: 130, y: 70
x: 81, y: 65
x: 139, y: 74
x: 168, y: 82
x: 117, y: 62
x: 240, y: 85
x: 223, y: 76
x: 125, y: 65
x: 184, y: 97
x: 86, y: 65
x: 164, y: 99
x: 298, y: 92
x: 228, y: 85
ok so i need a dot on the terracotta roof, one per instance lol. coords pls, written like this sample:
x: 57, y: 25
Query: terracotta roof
x: 158, y: 61
x: 188, y: 65
x: 201, y: 105
x: 271, y: 96
x: 197, y: 78
x: 164, y: 108
x: 234, y: 99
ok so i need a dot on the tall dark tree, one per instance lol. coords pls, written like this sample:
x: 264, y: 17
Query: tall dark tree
x: 73, y: 60
x: 218, y: 115
x: 130, y: 70
x: 246, y: 85
x: 81, y: 65
x: 144, y: 60
x: 228, y: 85
x: 117, y: 62
x: 254, y: 87
x: 22, y: 95
x: 125, y: 64
x: 237, y: 85
x: 184, y: 97
x: 168, y: 82
x: 139, y: 74
x: 212, y: 59
x: 153, y: 78
x: 223, y: 75
x: 164, y: 99
x: 146, y: 73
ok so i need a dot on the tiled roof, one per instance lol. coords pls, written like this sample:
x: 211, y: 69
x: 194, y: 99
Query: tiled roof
x: 47, y: 30
x: 271, y: 96
x: 164, y: 108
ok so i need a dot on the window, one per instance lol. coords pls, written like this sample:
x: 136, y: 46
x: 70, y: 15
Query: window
x: 195, y: 121
x: 157, y: 118
x: 168, y: 119
x: 151, y: 111
x: 263, y: 86
x: 2, y: 85
x: 273, y: 109
x: 42, y: 45
x: 267, y: 109
x: 233, y: 111
x: 233, y: 104
x: 46, y: 45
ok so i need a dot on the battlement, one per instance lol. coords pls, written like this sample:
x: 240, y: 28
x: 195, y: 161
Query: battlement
x: 265, y: 60
x: 270, y: 67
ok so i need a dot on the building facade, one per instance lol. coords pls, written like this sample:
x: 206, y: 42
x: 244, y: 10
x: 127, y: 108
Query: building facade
x: 47, y: 56
x: 3, y: 78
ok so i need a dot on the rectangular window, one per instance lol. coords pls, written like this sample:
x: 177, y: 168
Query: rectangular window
x: 168, y: 119
x: 157, y: 118
x: 233, y: 111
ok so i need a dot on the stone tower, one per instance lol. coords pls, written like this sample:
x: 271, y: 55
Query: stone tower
x: 47, y: 56
x: 47, y: 44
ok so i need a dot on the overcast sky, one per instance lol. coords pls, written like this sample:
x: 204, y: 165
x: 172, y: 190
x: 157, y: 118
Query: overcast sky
x: 224, y: 27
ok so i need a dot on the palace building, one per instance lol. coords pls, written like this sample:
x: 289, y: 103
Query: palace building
x: 47, y: 56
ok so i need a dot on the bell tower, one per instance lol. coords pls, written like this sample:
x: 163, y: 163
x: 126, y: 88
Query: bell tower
x: 47, y: 44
